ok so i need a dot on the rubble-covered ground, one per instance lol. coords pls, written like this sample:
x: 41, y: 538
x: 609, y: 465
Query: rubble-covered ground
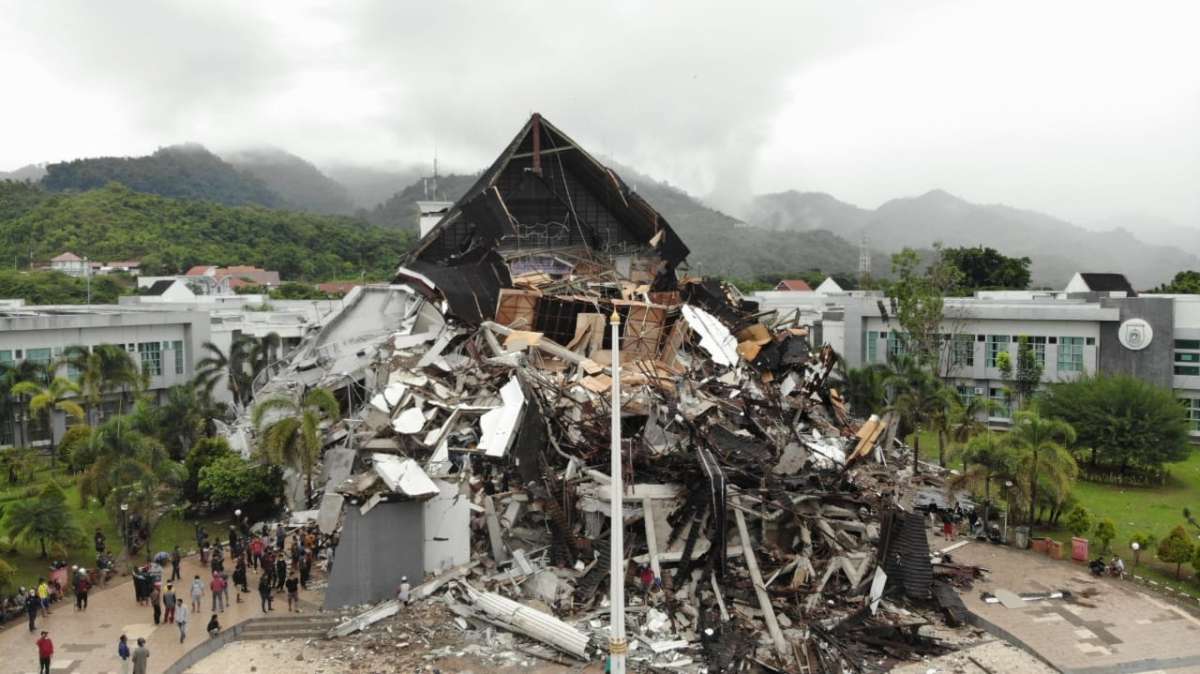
x: 765, y: 526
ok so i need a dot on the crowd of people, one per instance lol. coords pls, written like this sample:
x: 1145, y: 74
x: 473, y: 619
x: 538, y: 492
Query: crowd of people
x: 283, y: 561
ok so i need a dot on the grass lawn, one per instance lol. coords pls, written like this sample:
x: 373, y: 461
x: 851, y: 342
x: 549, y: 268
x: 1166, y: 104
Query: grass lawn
x: 30, y: 566
x: 1154, y: 510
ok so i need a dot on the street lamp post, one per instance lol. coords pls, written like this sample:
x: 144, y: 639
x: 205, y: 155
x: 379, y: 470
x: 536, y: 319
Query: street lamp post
x: 617, y: 647
x: 1007, y: 506
x: 125, y: 526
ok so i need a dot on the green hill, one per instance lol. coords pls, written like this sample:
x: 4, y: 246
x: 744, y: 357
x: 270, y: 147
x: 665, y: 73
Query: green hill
x: 183, y: 171
x: 170, y: 235
x: 301, y: 185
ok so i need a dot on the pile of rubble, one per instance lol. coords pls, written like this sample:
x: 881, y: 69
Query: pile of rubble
x: 763, y: 526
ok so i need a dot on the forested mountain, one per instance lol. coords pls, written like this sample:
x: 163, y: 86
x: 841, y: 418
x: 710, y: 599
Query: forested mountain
x: 299, y: 184
x: 184, y: 171
x: 1057, y: 248
x: 369, y: 187
x: 171, y: 235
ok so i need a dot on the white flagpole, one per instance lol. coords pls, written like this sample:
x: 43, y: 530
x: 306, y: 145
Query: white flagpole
x: 617, y: 647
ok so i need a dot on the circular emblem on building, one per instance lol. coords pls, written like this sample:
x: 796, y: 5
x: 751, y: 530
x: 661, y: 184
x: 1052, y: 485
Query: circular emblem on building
x: 1135, y: 334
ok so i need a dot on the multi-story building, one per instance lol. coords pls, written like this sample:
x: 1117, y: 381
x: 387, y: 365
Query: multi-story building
x: 165, y: 343
x: 1097, y: 324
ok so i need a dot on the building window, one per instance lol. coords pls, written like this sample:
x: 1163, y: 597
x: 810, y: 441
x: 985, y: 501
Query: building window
x: 962, y: 351
x: 1038, y: 344
x: 966, y: 394
x: 896, y: 344
x: 177, y: 347
x: 6, y: 358
x: 1002, y: 408
x: 7, y: 436
x: 39, y: 356
x: 1070, y: 354
x: 996, y: 345
x: 1191, y: 408
x: 151, y: 355
x: 1187, y: 357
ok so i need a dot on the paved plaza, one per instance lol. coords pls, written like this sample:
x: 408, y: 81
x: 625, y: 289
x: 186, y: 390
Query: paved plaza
x: 1121, y: 628
x: 85, y: 642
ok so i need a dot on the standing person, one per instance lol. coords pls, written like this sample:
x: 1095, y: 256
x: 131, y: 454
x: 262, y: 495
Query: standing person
x: 32, y: 606
x: 45, y: 652
x: 293, y: 593
x: 280, y: 570
x: 99, y: 539
x: 225, y: 588
x: 305, y: 568
x: 280, y: 536
x: 176, y: 559
x: 256, y: 551
x: 202, y: 543
x: 216, y: 586
x: 156, y: 602
x: 43, y: 595
x: 123, y: 654
x: 239, y: 579
x: 181, y: 620
x: 264, y: 595
x: 197, y: 593
x: 82, y: 585
x: 140, y: 655
x: 169, y: 603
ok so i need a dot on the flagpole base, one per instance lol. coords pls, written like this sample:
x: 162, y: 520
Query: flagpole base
x: 617, y: 649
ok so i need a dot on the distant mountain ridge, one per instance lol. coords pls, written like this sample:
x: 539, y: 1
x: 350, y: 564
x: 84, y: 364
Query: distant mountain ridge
x: 1056, y: 247
x: 298, y: 183
x: 183, y: 171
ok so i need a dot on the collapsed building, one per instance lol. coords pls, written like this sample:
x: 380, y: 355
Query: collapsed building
x: 764, y: 527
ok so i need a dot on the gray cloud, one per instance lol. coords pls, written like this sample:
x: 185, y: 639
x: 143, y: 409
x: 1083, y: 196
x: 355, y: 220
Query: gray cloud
x: 867, y: 100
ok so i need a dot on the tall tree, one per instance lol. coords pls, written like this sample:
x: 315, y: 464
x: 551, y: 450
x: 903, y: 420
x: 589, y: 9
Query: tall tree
x: 917, y: 397
x: 985, y: 458
x: 917, y: 300
x: 289, y: 432
x: 866, y: 388
x: 981, y: 268
x: 103, y: 369
x: 1125, y: 422
x: 1024, y: 379
x: 1040, y: 444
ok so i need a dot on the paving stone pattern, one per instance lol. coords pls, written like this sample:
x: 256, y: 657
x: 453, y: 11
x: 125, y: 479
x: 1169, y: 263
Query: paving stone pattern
x: 1121, y: 629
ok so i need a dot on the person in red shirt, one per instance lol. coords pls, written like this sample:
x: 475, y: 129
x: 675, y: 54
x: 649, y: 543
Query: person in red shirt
x: 45, y: 652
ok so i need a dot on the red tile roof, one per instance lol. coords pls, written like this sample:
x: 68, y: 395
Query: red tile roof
x: 792, y: 284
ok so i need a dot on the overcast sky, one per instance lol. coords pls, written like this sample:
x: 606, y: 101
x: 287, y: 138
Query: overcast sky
x: 1088, y: 110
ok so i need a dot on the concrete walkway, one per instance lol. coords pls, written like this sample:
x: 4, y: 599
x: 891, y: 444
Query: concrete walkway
x: 85, y: 642
x: 1122, y: 628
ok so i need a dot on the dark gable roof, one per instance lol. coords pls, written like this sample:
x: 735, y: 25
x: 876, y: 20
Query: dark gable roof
x: 1103, y: 283
x: 568, y: 199
x: 160, y: 287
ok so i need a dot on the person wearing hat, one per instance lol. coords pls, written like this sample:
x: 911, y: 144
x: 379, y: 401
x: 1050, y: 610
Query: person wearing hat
x: 45, y: 652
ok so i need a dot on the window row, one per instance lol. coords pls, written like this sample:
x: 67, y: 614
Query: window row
x: 961, y: 348
x: 149, y: 356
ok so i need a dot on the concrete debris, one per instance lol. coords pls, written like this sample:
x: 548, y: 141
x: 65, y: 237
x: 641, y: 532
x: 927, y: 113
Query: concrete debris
x: 765, y: 526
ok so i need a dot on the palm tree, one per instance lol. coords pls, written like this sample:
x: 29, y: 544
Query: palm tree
x: 103, y: 369
x: 16, y: 404
x: 985, y: 458
x: 1040, y: 444
x: 294, y: 438
x: 60, y: 394
x: 127, y: 465
x: 181, y: 419
x: 866, y: 388
x: 44, y: 518
x: 233, y: 367
x: 917, y: 397
x: 965, y: 420
x: 264, y: 353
